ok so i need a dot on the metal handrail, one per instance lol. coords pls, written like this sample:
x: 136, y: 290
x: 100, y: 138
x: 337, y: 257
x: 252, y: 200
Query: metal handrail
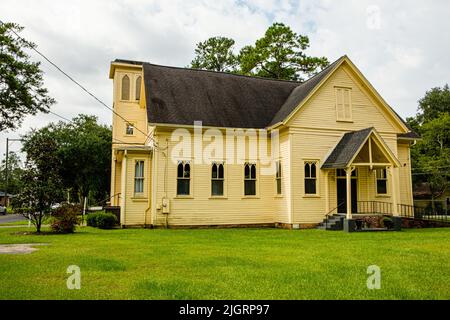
x: 327, y: 215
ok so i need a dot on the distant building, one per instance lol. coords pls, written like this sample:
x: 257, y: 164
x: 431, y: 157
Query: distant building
x: 5, y: 198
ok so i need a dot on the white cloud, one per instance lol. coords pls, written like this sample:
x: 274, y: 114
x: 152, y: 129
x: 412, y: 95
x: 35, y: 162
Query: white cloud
x: 403, y: 56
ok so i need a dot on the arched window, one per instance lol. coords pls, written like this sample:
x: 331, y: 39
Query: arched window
x: 217, y: 179
x: 250, y: 179
x: 183, y: 178
x: 138, y: 88
x: 311, y: 177
x: 125, y: 88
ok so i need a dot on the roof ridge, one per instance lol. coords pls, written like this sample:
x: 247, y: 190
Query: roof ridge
x: 211, y: 71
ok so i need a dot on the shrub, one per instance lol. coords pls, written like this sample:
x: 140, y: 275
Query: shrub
x: 65, y: 218
x: 388, y: 223
x: 106, y: 220
x: 91, y: 219
x: 101, y: 220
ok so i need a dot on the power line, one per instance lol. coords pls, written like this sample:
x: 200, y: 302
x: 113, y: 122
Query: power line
x: 83, y: 88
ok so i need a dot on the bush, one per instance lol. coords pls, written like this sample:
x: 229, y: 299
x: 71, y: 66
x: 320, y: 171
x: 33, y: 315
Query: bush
x: 388, y: 223
x: 101, y: 220
x: 91, y: 219
x: 65, y: 218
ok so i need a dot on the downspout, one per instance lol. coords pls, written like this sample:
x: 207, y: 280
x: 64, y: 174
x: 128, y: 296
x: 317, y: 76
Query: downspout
x: 124, y: 188
x: 149, y: 206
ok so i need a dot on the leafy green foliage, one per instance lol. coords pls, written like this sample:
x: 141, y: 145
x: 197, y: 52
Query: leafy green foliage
x: 102, y: 220
x: 66, y: 218
x: 280, y: 54
x: 431, y: 156
x: 42, y: 186
x: 215, y: 54
x: 83, y: 150
x: 433, y: 104
x: 15, y: 171
x: 21, y: 80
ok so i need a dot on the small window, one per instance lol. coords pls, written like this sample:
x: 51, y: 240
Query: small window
x: 381, y: 181
x: 250, y: 179
x: 138, y: 88
x: 278, y: 176
x: 139, y: 177
x: 343, y: 104
x: 125, y: 88
x: 311, y: 177
x: 129, y: 131
x: 183, y: 178
x: 217, y: 179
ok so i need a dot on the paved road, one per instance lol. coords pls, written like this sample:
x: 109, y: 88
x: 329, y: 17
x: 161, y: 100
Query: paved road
x: 11, y: 218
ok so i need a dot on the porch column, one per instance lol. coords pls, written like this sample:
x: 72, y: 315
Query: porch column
x: 348, y: 177
x: 394, y: 189
x: 327, y: 195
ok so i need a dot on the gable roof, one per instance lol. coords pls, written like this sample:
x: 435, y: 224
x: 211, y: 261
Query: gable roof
x: 350, y: 145
x: 346, y: 148
x: 181, y: 96
x: 301, y: 92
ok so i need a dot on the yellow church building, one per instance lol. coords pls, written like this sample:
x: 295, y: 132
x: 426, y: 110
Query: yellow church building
x: 196, y: 148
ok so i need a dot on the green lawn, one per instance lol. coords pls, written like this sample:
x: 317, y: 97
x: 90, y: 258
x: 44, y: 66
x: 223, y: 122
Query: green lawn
x: 228, y: 264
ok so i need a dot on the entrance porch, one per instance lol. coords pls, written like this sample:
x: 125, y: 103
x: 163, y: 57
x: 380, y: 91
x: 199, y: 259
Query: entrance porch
x: 360, y: 171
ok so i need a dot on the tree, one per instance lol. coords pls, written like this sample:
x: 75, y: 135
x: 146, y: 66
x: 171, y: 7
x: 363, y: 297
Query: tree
x: 215, y: 54
x: 14, y: 173
x: 21, y: 80
x: 280, y: 54
x: 42, y: 186
x: 432, y: 155
x: 435, y: 102
x: 83, y: 150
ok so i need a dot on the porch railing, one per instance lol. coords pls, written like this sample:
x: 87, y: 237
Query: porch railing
x: 374, y: 207
x: 420, y: 213
x: 406, y: 211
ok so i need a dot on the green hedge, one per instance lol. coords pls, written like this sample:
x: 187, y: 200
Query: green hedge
x: 101, y: 220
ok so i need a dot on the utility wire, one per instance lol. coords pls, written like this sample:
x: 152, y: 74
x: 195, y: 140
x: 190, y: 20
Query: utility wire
x: 83, y: 88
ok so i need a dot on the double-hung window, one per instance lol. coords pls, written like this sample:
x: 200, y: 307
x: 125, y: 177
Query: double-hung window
x: 311, y: 178
x: 381, y: 181
x: 139, y: 177
x: 183, y: 178
x: 278, y: 177
x: 217, y: 179
x: 250, y: 179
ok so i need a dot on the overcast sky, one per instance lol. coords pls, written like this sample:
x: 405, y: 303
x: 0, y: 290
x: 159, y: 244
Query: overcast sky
x: 402, y: 47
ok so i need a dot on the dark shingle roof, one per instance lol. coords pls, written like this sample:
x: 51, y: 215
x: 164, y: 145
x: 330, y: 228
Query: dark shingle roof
x: 346, y: 148
x: 182, y: 96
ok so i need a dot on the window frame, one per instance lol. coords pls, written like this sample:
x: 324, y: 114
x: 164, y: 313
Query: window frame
x: 126, y: 75
x: 385, y: 179
x: 316, y: 178
x: 133, y: 125
x: 255, y: 179
x: 343, y: 91
x: 184, y: 162
x: 141, y: 178
x: 217, y: 178
x: 278, y: 178
x: 137, y: 88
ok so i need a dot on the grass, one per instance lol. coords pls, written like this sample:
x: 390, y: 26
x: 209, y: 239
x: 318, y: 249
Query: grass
x: 228, y: 264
